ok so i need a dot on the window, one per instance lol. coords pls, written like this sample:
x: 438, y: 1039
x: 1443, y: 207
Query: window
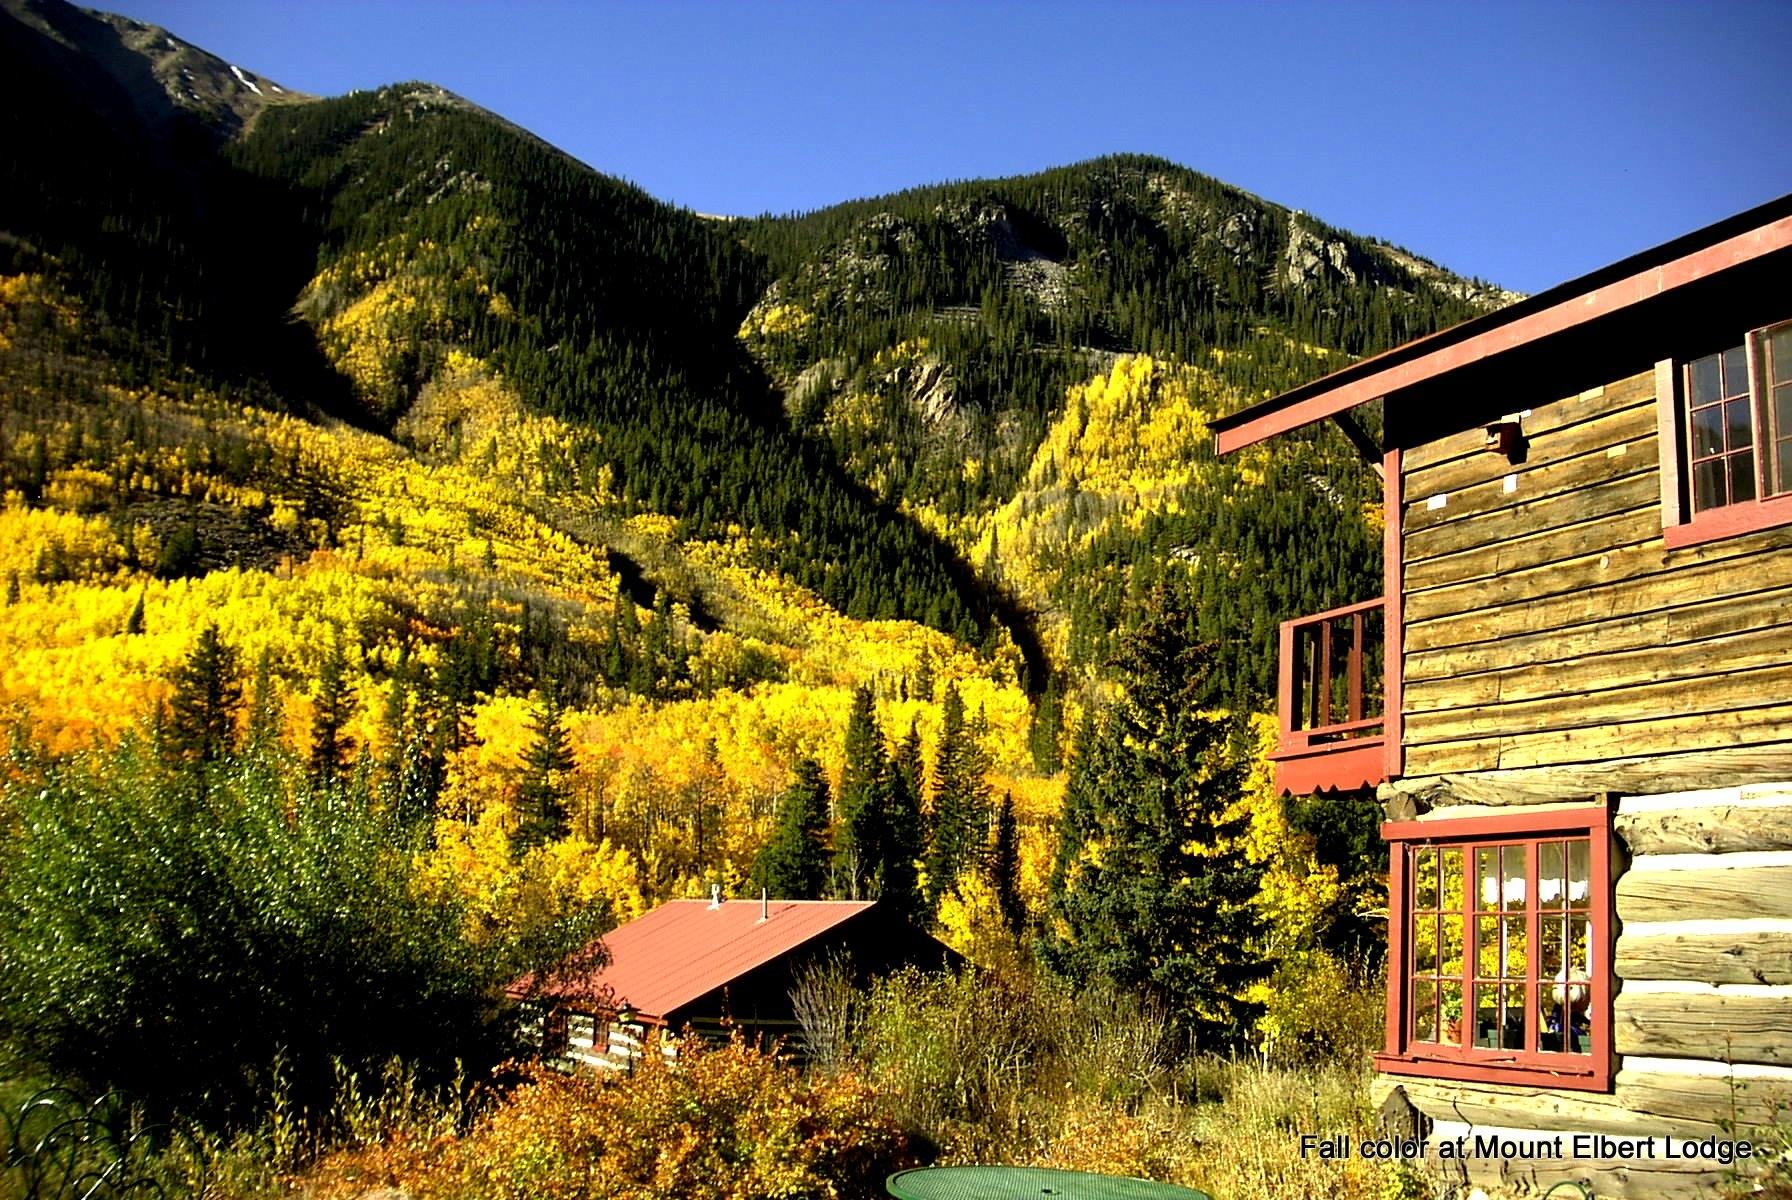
x: 1730, y: 414
x: 1499, y: 950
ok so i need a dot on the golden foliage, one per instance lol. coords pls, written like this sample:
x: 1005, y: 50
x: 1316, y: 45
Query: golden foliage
x: 722, y: 1123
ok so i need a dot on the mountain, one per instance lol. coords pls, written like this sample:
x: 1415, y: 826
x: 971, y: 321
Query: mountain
x: 434, y: 422
x: 983, y: 331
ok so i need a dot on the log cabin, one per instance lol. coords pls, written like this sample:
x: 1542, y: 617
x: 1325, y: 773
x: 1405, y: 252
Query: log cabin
x: 712, y: 968
x: 1574, y: 702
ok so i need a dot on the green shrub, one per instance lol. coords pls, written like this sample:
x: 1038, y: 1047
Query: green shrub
x: 175, y: 937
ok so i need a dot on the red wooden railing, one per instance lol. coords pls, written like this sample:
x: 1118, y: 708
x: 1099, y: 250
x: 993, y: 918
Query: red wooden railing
x: 1331, y: 689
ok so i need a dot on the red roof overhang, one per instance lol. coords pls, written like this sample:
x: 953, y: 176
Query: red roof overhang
x: 681, y: 951
x: 1685, y: 260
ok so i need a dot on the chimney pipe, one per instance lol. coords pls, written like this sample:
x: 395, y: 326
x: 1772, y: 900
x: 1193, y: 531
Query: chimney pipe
x: 715, y: 896
x: 765, y: 905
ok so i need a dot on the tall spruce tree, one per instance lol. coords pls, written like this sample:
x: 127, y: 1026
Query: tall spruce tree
x: 201, y: 725
x: 880, y: 840
x: 865, y: 768
x: 543, y: 804
x: 1045, y: 737
x: 960, y: 823
x: 334, y: 705
x: 1004, y: 866
x: 898, y: 879
x: 1150, y: 887
x: 794, y: 863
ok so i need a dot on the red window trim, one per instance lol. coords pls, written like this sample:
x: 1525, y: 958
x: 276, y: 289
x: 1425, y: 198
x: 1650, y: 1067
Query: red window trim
x: 1592, y: 1073
x: 1680, y: 526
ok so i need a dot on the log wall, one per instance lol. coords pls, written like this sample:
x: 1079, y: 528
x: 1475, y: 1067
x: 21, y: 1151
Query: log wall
x: 1545, y: 623
x: 1702, y: 1015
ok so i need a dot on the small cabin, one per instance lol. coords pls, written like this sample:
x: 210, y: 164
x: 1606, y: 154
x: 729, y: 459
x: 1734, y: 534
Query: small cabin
x: 712, y: 966
x: 1574, y: 701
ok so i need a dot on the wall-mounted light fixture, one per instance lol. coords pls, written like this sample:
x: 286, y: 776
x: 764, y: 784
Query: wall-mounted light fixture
x: 1506, y: 436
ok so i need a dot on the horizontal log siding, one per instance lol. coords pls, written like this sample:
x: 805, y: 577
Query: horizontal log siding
x: 1547, y: 625
x: 1643, y: 1103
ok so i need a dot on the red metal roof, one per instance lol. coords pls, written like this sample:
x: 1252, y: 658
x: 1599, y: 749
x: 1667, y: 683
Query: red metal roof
x: 685, y: 949
x: 1743, y: 238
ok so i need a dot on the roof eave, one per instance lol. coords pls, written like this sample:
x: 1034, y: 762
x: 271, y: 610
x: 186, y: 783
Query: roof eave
x: 1685, y: 260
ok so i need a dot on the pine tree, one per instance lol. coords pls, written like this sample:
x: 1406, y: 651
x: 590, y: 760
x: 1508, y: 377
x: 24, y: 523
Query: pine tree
x: 860, y: 844
x: 908, y: 765
x: 542, y: 805
x: 134, y: 623
x: 794, y: 863
x: 1045, y: 737
x: 898, y: 883
x: 331, y: 711
x: 960, y: 799
x: 201, y: 724
x: 264, y: 705
x: 1150, y: 887
x: 1004, y: 866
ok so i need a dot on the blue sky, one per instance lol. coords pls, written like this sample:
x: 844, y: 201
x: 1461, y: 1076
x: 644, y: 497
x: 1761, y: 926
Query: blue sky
x: 1522, y: 143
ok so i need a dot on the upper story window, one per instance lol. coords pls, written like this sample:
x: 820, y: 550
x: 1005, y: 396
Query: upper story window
x: 1728, y: 468
x: 1499, y: 964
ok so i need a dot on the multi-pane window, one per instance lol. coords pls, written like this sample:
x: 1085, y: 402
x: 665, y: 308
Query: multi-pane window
x: 1721, y: 429
x: 1501, y: 965
x: 1776, y: 386
x: 1738, y: 407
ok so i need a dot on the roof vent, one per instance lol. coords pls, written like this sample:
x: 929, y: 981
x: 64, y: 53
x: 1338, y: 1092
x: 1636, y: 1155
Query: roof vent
x: 715, y: 896
x: 765, y: 905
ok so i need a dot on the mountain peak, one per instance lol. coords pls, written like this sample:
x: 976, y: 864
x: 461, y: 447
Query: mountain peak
x: 161, y: 77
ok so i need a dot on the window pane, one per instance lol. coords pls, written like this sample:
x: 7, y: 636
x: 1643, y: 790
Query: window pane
x: 1424, y: 1012
x: 1424, y: 946
x: 1708, y: 485
x: 1566, y: 1024
x: 1512, y: 931
x: 1516, y: 1013
x: 1551, y: 1028
x: 1549, y: 875
x: 1487, y: 877
x: 1736, y: 372
x: 1783, y: 482
x: 1579, y: 967
x: 1424, y: 892
x: 1487, y: 947
x: 1553, y: 931
x: 1741, y: 426
x: 1450, y: 875
x: 1707, y: 431
x: 1499, y: 1016
x: 1452, y: 946
x: 1450, y: 1014
x: 1779, y: 350
x: 1512, y: 867
x: 1487, y: 1016
x: 1702, y: 379
x: 1578, y: 857
x: 1782, y: 410
x: 1742, y: 477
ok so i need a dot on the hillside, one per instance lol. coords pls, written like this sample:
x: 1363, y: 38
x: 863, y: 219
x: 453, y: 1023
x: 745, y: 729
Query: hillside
x: 452, y: 436
x: 1041, y: 353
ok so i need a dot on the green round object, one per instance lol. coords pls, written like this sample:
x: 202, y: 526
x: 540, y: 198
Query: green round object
x: 1027, y: 1183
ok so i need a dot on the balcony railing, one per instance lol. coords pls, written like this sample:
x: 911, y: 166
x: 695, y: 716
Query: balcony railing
x: 1332, y: 683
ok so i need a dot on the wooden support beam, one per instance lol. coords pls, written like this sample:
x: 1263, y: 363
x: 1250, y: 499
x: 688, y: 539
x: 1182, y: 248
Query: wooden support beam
x: 1359, y: 438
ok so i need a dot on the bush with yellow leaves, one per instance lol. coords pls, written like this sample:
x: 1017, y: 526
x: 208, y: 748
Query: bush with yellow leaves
x: 715, y: 1123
